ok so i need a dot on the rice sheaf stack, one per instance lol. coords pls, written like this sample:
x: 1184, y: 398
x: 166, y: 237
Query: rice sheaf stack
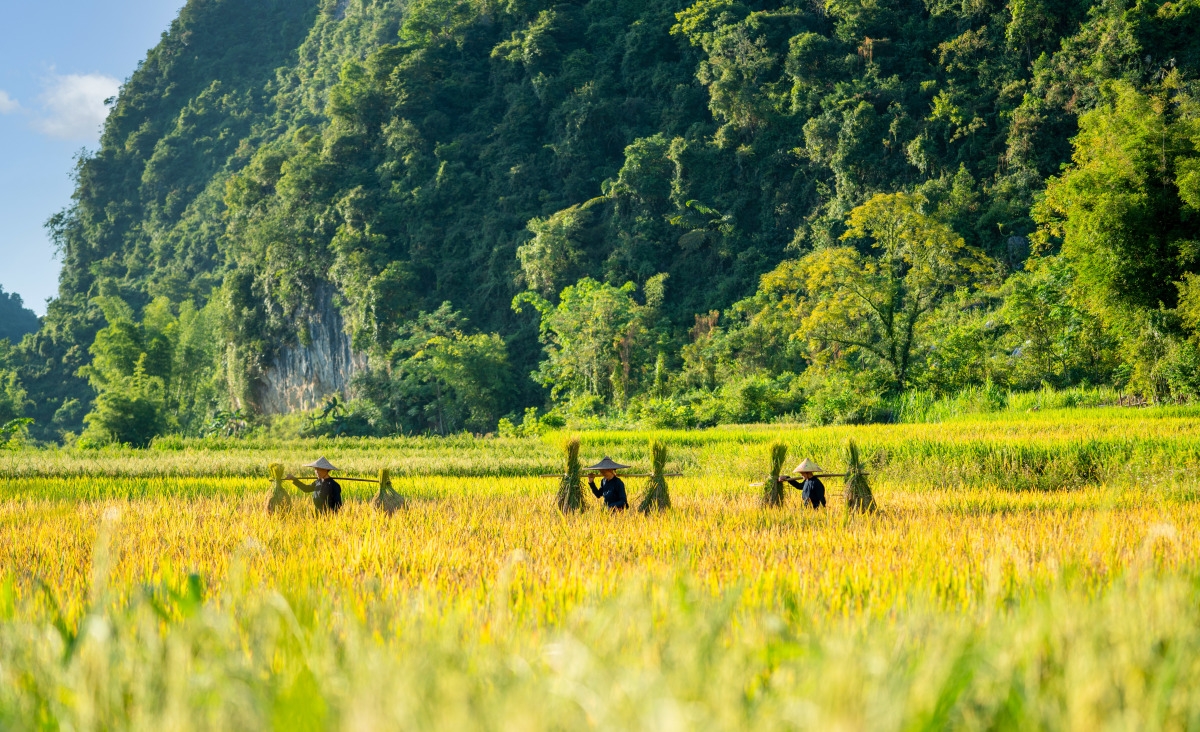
x: 773, y: 488
x: 657, y: 498
x: 858, y: 490
x: 388, y: 500
x: 280, y: 499
x: 570, y: 488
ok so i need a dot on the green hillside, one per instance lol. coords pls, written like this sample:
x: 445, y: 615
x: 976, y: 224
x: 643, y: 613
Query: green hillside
x: 665, y: 212
x: 15, y: 319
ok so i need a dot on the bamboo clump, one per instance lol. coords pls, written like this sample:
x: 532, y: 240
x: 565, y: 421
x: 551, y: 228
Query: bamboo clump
x: 773, y: 489
x: 388, y: 500
x: 657, y: 498
x: 858, y: 490
x: 570, y: 487
x: 280, y: 499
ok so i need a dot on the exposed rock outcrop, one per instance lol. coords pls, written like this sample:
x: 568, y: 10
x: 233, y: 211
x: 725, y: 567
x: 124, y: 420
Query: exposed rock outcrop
x: 303, y: 376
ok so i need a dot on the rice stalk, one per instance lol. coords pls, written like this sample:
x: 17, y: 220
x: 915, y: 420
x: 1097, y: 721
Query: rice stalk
x: 280, y: 499
x: 570, y: 488
x: 388, y: 500
x: 773, y: 494
x: 656, y: 498
x: 858, y: 491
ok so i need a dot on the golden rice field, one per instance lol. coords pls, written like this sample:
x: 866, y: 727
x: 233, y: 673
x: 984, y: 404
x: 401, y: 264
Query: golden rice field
x: 1025, y: 571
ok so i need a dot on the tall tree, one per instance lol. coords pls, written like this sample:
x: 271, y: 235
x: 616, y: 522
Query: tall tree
x: 874, y: 305
x: 596, y: 339
x: 1127, y: 211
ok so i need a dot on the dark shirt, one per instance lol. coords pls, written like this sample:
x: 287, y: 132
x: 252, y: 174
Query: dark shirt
x: 612, y: 491
x: 327, y: 494
x: 812, y: 490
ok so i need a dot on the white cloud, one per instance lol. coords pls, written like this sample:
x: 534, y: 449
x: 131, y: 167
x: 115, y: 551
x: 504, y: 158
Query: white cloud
x: 7, y: 103
x: 73, y: 106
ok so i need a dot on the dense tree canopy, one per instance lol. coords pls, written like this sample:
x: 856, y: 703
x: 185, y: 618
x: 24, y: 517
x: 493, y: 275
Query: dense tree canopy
x: 269, y: 161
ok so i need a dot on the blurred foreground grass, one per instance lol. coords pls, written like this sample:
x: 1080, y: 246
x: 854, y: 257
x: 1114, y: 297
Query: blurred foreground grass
x: 1035, y: 573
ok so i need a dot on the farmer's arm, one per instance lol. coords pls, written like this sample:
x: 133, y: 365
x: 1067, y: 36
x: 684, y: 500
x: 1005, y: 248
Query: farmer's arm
x: 302, y: 486
x: 793, y: 483
x: 597, y: 492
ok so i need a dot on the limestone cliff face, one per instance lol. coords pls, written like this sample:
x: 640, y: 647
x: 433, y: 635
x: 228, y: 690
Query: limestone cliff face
x: 303, y: 376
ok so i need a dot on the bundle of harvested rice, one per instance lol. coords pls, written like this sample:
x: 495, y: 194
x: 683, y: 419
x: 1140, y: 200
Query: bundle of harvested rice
x: 773, y: 489
x: 858, y: 491
x: 388, y: 500
x: 657, y: 498
x: 570, y: 488
x: 280, y: 499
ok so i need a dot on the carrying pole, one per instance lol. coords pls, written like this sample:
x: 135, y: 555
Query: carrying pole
x: 356, y: 480
x: 784, y: 478
x: 619, y: 475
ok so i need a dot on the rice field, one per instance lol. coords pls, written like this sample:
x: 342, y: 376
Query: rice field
x: 1036, y: 570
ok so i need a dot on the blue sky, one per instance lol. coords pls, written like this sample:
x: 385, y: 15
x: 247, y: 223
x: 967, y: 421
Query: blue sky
x: 59, y: 60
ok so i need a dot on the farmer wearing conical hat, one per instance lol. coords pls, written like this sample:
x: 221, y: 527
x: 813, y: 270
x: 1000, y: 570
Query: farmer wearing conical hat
x: 612, y: 488
x: 327, y: 494
x: 812, y: 489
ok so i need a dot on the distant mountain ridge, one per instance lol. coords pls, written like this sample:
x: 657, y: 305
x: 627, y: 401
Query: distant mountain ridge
x: 15, y: 319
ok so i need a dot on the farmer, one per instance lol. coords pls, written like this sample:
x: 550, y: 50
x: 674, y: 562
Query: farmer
x: 812, y: 489
x: 612, y: 488
x: 327, y: 494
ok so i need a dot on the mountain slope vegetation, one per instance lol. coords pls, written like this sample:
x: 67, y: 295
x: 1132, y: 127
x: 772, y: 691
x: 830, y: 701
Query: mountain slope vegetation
x: 15, y: 319
x: 679, y: 212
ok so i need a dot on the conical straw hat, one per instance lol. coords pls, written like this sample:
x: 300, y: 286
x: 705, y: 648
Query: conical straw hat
x: 606, y: 464
x: 321, y: 463
x: 808, y: 466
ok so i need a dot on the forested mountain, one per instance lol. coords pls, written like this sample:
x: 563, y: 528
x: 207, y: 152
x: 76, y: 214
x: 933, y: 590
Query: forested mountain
x: 669, y: 211
x: 15, y: 319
